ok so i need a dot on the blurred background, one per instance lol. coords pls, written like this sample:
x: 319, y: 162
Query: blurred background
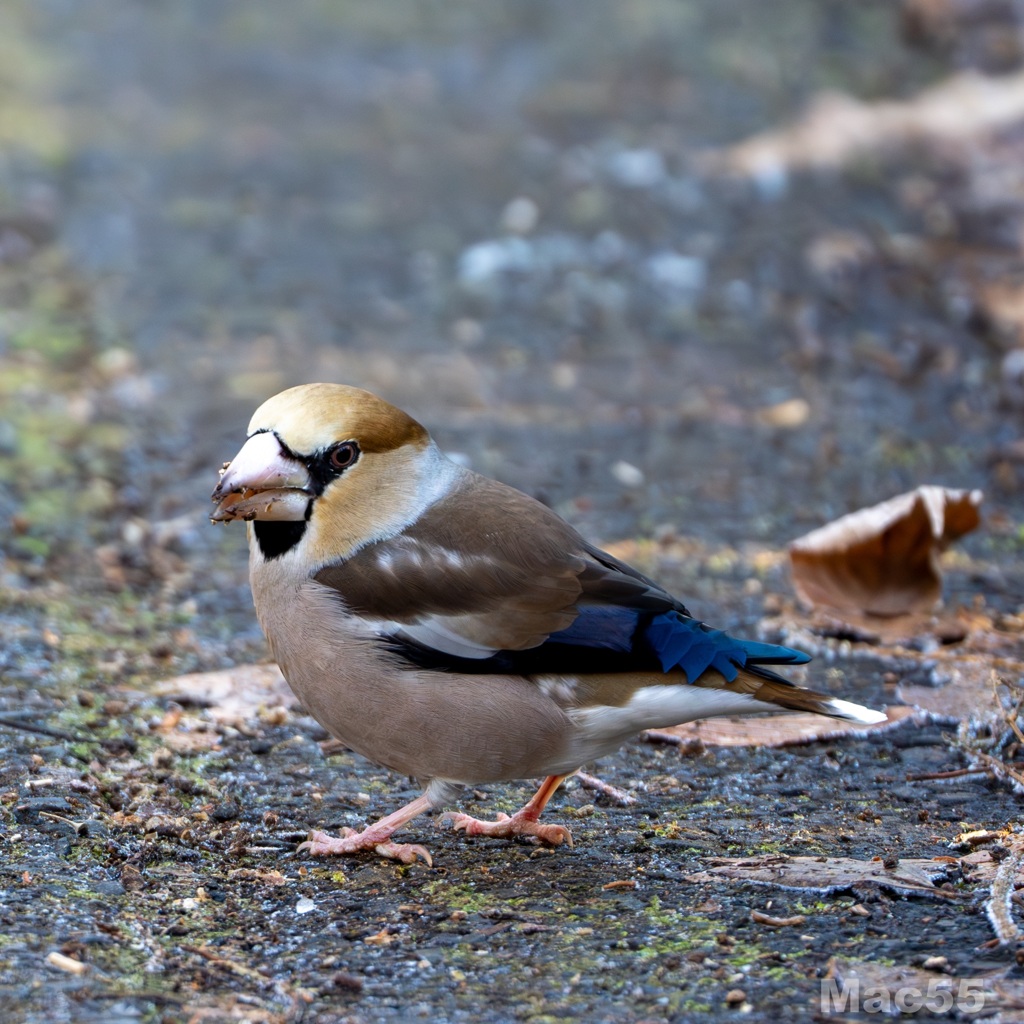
x: 710, y: 271
x: 700, y: 274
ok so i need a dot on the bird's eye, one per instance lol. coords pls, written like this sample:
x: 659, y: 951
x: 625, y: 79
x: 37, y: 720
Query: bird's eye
x: 343, y: 455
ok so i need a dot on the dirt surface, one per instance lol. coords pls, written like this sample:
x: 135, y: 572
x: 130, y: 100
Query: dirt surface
x: 528, y: 224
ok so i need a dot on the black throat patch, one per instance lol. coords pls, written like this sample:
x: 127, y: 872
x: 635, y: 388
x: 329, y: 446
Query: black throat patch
x: 276, y: 539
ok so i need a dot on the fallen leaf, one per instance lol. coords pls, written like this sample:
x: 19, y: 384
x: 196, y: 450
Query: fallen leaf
x: 1001, y: 303
x: 233, y: 694
x: 381, y: 938
x: 981, y: 865
x: 978, y: 837
x: 791, y: 729
x: 836, y: 128
x: 264, y: 877
x: 191, y: 742
x: 883, y: 560
x: 971, y: 695
x: 828, y: 874
x: 881, y: 989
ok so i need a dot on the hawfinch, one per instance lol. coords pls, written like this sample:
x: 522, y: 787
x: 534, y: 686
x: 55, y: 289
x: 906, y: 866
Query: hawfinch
x: 452, y: 628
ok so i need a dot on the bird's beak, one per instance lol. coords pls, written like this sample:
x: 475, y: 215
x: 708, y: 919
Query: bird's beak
x: 262, y: 482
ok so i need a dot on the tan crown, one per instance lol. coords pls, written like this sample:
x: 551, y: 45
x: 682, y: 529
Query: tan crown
x: 311, y: 417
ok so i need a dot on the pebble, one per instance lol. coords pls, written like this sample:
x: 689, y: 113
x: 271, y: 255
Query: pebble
x: 627, y: 474
x: 637, y: 168
x: 1013, y: 365
x: 676, y: 275
x: 480, y: 264
x: 792, y: 413
x: 520, y: 216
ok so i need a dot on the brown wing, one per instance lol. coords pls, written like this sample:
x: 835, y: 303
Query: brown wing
x: 486, y: 568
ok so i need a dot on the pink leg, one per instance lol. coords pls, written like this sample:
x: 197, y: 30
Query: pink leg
x: 374, y: 837
x: 523, y: 823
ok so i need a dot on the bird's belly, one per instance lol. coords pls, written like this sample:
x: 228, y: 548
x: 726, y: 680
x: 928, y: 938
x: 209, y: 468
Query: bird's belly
x: 428, y: 724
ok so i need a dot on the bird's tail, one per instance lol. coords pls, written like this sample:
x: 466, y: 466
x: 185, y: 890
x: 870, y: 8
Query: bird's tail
x: 765, y: 686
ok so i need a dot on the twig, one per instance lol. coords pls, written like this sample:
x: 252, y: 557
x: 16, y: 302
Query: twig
x: 998, y: 907
x: 219, y: 960
x: 777, y: 922
x: 620, y: 796
x: 44, y: 730
x: 1010, y: 716
x: 999, y: 769
x: 954, y: 773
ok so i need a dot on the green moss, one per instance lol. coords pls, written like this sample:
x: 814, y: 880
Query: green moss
x: 52, y: 340
x: 459, y: 896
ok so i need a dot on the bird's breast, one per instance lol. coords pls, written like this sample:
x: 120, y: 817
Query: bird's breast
x: 428, y: 724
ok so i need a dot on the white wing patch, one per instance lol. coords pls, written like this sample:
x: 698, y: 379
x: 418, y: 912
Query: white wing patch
x: 432, y: 632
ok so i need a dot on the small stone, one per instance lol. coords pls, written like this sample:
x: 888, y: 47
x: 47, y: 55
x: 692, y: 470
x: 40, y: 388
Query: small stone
x: 627, y: 474
x: 110, y: 887
x: 347, y: 982
x: 735, y: 997
x: 520, y: 216
x: 675, y: 275
x: 304, y: 905
x: 637, y: 168
x: 792, y: 413
x: 467, y: 332
x: 226, y: 810
x: 93, y: 828
x: 480, y: 264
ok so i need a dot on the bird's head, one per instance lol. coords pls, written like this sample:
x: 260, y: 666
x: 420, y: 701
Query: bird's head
x: 333, y: 458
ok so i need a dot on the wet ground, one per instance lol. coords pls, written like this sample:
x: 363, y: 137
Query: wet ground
x: 511, y: 222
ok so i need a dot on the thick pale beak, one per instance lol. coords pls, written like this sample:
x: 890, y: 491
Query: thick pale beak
x: 262, y: 482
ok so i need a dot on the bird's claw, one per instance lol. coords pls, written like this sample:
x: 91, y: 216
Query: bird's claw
x: 505, y: 827
x: 407, y: 853
x: 320, y: 844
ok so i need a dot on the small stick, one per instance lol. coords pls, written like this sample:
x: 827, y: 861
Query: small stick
x: 43, y: 730
x: 620, y: 796
x: 955, y: 773
x: 219, y: 960
x: 777, y: 922
x: 997, y: 907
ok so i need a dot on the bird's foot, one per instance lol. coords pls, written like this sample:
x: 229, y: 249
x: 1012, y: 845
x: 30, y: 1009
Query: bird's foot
x: 320, y: 844
x: 522, y: 823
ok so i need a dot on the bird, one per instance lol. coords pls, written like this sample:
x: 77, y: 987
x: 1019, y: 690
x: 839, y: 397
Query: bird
x: 454, y: 629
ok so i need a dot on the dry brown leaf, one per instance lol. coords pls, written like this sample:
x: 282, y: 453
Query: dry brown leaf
x: 915, y: 629
x: 261, y: 875
x: 981, y: 865
x: 828, y: 874
x: 791, y: 729
x: 971, y: 695
x: 883, y: 560
x: 185, y: 741
x: 884, y: 990
x: 233, y: 694
x: 837, y: 128
x: 1002, y: 303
